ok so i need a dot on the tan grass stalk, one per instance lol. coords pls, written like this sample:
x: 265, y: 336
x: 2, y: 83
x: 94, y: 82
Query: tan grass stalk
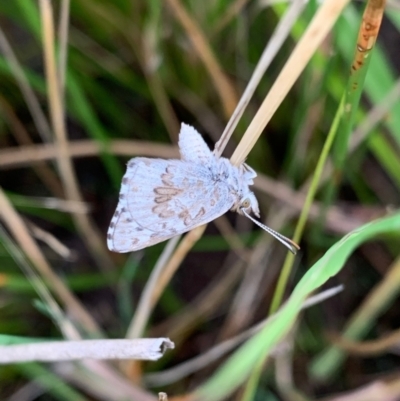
x: 362, y: 320
x: 17, y: 227
x: 387, y: 343
x: 231, y: 12
x: 52, y: 242
x: 31, y: 100
x: 46, y: 174
x: 88, y: 230
x: 224, y: 88
x: 101, y: 381
x: 63, y: 45
x: 64, y: 324
x: 218, y: 351
x: 206, y: 304
x: 143, y: 47
x: 148, y: 298
x: 280, y: 34
x: 27, y: 155
x: 319, y: 27
x: 147, y: 58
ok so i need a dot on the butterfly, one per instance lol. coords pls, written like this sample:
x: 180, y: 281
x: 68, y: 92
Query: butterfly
x: 162, y: 198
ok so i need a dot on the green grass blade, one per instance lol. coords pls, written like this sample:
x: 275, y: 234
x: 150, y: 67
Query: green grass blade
x: 239, y: 366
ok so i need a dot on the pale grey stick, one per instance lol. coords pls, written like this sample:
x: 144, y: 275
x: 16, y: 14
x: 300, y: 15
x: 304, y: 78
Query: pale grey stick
x: 186, y: 368
x: 149, y: 349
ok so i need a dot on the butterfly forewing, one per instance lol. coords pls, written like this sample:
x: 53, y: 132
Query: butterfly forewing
x: 163, y: 198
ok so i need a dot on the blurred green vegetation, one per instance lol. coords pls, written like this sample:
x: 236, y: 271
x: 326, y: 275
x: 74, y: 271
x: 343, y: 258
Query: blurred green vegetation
x: 133, y: 74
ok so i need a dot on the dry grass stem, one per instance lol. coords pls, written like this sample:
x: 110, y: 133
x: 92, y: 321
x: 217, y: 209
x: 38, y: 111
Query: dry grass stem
x: 100, y: 380
x: 64, y: 324
x: 31, y: 100
x: 319, y: 27
x: 145, y: 349
x: 27, y: 155
x: 56, y: 204
x: 247, y: 297
x: 44, y: 172
x: 388, y: 343
x: 148, y: 299
x: 231, y: 12
x: 280, y: 34
x: 337, y: 220
x: 186, y: 368
x: 224, y: 88
x: 231, y: 237
x: 52, y: 242
x: 176, y: 259
x: 87, y: 229
x: 377, y: 301
x: 382, y: 390
x: 63, y: 45
x: 378, y: 113
x: 156, y: 86
x: 22, y: 236
x: 206, y: 304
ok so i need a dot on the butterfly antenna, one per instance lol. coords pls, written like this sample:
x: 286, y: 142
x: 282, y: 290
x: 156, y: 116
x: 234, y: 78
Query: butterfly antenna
x: 291, y: 245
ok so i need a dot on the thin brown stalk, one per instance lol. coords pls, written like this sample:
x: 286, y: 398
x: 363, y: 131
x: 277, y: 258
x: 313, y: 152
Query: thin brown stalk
x: 382, y: 390
x: 231, y: 12
x: 87, y: 229
x: 102, y: 381
x: 319, y: 27
x: 64, y: 324
x: 176, y: 259
x: 205, y: 305
x: 247, y: 296
x: 231, y: 237
x: 218, y: 351
x: 143, y: 47
x: 224, y: 88
x: 31, y: 100
x: 63, y: 45
x: 22, y: 236
x: 280, y: 34
x: 51, y: 241
x: 148, y: 300
x: 377, y: 301
x: 148, y: 58
x: 387, y: 343
x: 202, y: 48
x: 46, y: 174
x: 28, y: 155
x: 23, y: 156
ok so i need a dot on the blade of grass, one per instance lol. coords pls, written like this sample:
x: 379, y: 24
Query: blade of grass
x: 326, y: 365
x: 345, y: 120
x: 242, y: 363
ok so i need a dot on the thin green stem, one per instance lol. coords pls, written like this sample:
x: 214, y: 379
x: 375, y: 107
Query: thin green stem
x: 288, y: 264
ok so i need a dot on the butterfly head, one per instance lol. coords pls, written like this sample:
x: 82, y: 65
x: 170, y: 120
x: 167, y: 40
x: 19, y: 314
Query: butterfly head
x: 249, y: 204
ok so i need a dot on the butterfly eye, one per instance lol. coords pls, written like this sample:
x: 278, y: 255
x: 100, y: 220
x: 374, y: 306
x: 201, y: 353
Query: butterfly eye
x: 246, y: 203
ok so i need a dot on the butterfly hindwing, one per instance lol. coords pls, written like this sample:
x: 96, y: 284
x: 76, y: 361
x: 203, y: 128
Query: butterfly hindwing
x: 163, y: 198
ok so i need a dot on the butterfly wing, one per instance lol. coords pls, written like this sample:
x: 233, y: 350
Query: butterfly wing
x: 192, y: 147
x: 163, y: 198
